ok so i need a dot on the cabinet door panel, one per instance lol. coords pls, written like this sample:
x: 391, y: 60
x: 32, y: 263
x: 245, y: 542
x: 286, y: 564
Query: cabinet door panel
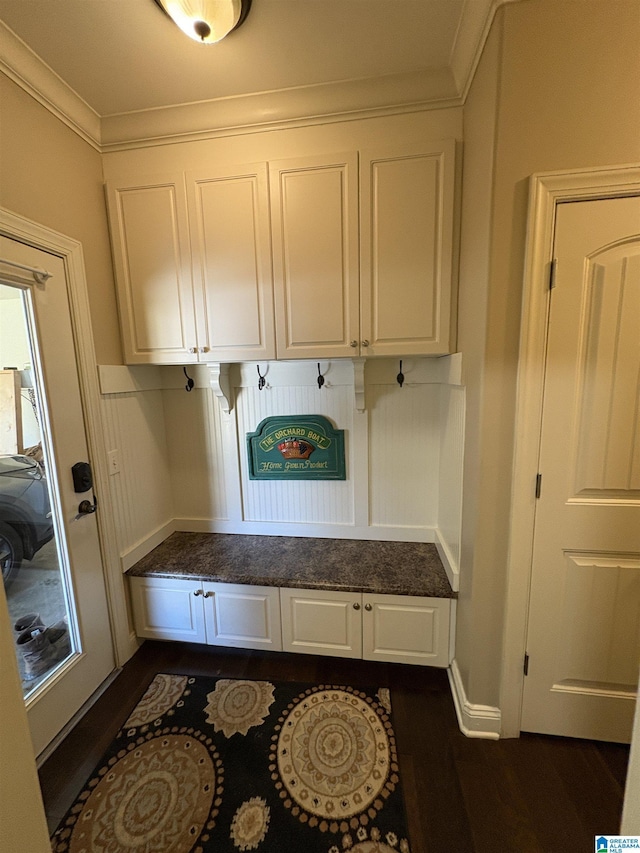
x: 314, y: 206
x: 150, y: 239
x: 246, y: 617
x: 321, y: 622
x: 229, y: 220
x: 406, y: 249
x: 406, y: 629
x: 167, y: 609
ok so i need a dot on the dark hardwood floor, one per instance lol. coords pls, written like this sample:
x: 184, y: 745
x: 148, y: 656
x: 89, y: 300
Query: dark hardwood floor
x: 525, y: 795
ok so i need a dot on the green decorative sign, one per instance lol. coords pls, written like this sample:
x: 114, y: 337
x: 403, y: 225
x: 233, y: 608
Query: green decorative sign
x: 296, y: 447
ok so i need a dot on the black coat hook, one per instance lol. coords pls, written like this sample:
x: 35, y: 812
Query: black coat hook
x: 190, y: 383
x: 261, y: 381
x: 320, y: 378
x: 400, y: 376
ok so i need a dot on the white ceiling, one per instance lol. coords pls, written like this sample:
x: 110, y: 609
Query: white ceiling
x: 127, y: 55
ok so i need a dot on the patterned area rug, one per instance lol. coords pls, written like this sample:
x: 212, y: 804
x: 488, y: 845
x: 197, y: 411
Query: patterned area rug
x: 205, y: 764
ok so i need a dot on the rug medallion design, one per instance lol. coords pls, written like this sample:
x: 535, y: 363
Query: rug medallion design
x: 206, y: 764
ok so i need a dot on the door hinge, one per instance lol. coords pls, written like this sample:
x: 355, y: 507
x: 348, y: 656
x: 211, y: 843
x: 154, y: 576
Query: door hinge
x: 526, y: 664
x: 553, y: 268
x: 538, y: 484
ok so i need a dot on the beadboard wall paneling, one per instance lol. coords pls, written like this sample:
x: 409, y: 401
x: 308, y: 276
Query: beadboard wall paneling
x: 183, y: 460
x: 196, y: 454
x: 448, y: 533
x: 299, y: 501
x: 403, y: 454
x: 141, y: 490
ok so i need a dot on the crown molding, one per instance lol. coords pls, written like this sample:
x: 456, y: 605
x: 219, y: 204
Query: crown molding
x: 475, y: 25
x: 306, y: 105
x: 24, y: 67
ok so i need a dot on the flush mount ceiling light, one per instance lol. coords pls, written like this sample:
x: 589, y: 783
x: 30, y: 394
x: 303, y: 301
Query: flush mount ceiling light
x: 206, y: 21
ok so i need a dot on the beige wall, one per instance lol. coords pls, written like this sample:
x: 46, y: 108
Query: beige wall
x: 480, y: 129
x: 50, y: 175
x: 22, y: 820
x: 569, y: 97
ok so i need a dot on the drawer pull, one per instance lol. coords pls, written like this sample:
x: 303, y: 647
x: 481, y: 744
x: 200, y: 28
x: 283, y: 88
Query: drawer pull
x: 368, y: 607
x: 356, y: 606
x: 208, y: 594
x: 197, y: 592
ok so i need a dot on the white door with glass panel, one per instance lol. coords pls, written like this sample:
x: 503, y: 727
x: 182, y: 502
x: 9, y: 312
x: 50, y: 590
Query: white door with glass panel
x: 583, y: 640
x: 49, y: 547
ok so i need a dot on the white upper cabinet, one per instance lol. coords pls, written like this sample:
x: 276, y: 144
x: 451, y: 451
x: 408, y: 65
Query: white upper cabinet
x: 193, y: 266
x: 330, y: 256
x: 314, y: 221
x: 150, y: 240
x: 406, y: 249
x: 396, y: 297
x: 229, y: 222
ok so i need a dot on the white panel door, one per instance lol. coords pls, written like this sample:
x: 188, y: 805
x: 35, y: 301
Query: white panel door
x: 584, y: 620
x: 314, y: 216
x: 246, y: 617
x: 230, y: 240
x: 407, y: 200
x: 321, y: 622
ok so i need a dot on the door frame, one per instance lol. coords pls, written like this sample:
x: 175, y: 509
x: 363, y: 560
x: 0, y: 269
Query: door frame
x: 546, y: 191
x: 16, y: 227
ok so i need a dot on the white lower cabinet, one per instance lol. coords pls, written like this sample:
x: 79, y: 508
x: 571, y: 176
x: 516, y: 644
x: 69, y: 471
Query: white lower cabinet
x: 247, y: 617
x: 224, y: 614
x: 400, y: 628
x: 321, y: 622
x: 395, y: 628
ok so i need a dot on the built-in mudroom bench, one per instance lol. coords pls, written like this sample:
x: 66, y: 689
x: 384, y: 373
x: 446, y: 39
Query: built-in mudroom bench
x: 386, y: 601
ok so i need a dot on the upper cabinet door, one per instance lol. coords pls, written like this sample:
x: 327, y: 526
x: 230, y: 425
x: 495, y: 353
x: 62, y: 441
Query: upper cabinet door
x: 150, y: 239
x: 229, y: 222
x: 406, y: 249
x: 314, y: 220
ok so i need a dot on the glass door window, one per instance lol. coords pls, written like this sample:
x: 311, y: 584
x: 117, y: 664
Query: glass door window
x: 34, y: 570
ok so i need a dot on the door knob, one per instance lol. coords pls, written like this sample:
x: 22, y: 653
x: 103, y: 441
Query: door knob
x: 86, y: 508
x: 356, y: 606
x: 353, y: 344
x: 368, y: 607
x: 365, y: 343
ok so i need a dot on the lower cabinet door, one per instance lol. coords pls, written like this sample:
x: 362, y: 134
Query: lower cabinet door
x: 406, y: 629
x: 246, y: 617
x: 168, y: 609
x: 322, y: 622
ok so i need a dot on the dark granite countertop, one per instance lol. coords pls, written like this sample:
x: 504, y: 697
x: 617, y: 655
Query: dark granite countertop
x: 356, y: 565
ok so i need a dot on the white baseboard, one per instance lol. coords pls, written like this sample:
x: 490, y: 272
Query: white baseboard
x: 480, y: 721
x: 142, y: 548
x: 450, y: 565
x: 320, y: 531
